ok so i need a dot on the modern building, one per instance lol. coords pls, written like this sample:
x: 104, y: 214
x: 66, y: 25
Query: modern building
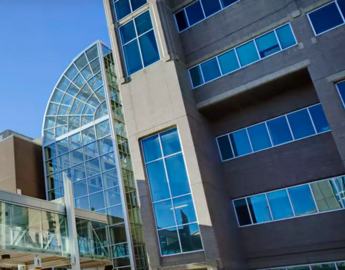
x: 235, y: 120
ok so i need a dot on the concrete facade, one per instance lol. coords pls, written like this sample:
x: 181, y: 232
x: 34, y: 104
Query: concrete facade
x: 21, y: 165
x: 161, y: 96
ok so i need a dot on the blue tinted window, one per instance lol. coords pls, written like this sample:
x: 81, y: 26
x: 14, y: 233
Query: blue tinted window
x: 279, y: 130
x: 122, y: 9
x: 127, y: 32
x: 247, y: 53
x: 267, y: 44
x: 210, y: 70
x: 325, y: 18
x: 169, y: 242
x: 302, y: 200
x: 259, y: 209
x: 194, y: 13
x: 341, y: 4
x: 184, y: 210
x: 240, y: 143
x: 280, y: 204
x: 80, y: 189
x: 228, y: 62
x: 181, y: 20
x: 149, y: 48
x: 95, y: 184
x: 285, y: 36
x: 164, y: 214
x: 143, y: 23
x: 341, y: 90
x: 97, y: 201
x: 242, y: 212
x: 158, y: 181
x: 301, y: 124
x: 132, y: 55
x: 137, y: 3
x: 177, y: 174
x: 190, y: 237
x: 319, y: 118
x: 210, y: 6
x: 195, y: 74
x: 228, y: 2
x: 259, y: 137
x: 170, y: 142
x: 112, y: 196
x: 152, y: 150
x: 224, y: 147
x: 82, y: 203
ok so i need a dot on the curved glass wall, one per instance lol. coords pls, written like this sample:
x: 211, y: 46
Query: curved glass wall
x: 84, y: 140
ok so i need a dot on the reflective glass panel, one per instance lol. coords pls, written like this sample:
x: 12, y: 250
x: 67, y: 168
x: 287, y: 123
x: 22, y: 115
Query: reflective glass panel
x: 143, y: 23
x: 341, y: 4
x: 181, y: 20
x: 151, y: 148
x: 224, y: 147
x: 50, y: 151
x: 240, y: 142
x: 78, y: 172
x: 247, y: 53
x: 88, y: 135
x: 325, y: 195
x: 190, y: 237
x: 64, y: 161
x: 108, y: 162
x: 103, y: 129
x: 110, y: 179
x: 169, y: 242
x: 228, y: 62
x: 280, y: 204
x: 132, y: 56
x: 54, y: 181
x: 341, y: 90
x: 77, y: 156
x: 105, y: 145
x: 194, y: 13
x: 242, y: 212
x: 164, y: 214
x: 62, y: 146
x: 177, y: 174
x: 210, y: 70
x: 71, y: 72
x: 158, y: 181
x: 149, y: 49
x: 305, y: 267
x: 302, y: 200
x: 82, y: 203
x: 95, y: 184
x: 286, y: 37
x: 127, y: 32
x: 137, y: 3
x: 259, y: 208
x: 112, y: 196
x: 184, y: 210
x: 267, y: 44
x: 319, y: 118
x: 92, y: 53
x: 325, y: 18
x: 90, y: 151
x: 228, y: 2
x: 210, y: 7
x: 92, y: 167
x: 279, y: 130
x: 259, y: 137
x: 97, y: 201
x: 115, y: 214
x: 301, y: 124
x: 341, y: 265
x: 118, y: 234
x: 170, y: 142
x: 195, y: 74
x: 340, y: 183
x: 80, y: 189
x: 122, y: 9
x: 324, y: 266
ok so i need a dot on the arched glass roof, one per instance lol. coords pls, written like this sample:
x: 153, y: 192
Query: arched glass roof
x: 78, y: 98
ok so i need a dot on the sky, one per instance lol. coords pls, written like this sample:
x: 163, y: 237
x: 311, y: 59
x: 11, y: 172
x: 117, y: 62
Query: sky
x: 38, y: 40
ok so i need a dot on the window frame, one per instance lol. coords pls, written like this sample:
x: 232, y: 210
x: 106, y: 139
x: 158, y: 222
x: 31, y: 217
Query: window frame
x: 203, y: 11
x: 269, y: 134
x: 237, y: 56
x: 137, y: 40
x: 341, y: 15
x: 130, y: 6
x: 342, y: 202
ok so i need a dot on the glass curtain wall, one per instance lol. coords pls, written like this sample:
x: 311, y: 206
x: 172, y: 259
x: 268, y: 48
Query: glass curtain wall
x: 82, y: 118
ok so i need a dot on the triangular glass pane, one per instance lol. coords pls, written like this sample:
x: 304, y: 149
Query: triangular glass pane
x: 87, y: 73
x: 93, y: 101
x: 86, y: 119
x: 73, y: 122
x: 60, y: 131
x: 96, y: 81
x: 81, y: 62
x: 71, y: 72
x: 67, y: 100
x: 88, y: 110
x: 85, y: 93
x: 50, y: 122
x: 73, y: 89
x: 61, y: 120
x: 64, y: 110
x: 101, y: 111
x: 95, y: 66
x: 105, y: 50
x: 100, y: 94
x: 63, y: 84
x: 52, y: 109
x: 79, y: 81
x: 77, y: 107
x: 92, y: 53
x: 57, y: 96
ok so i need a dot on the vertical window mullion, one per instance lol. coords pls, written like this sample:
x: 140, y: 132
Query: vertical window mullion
x: 130, y: 5
x: 250, y: 214
x: 250, y: 142
x: 292, y: 207
x: 312, y: 193
x: 238, y: 59
x: 275, y: 33
x: 341, y: 14
x: 221, y: 73
x: 287, y: 120
x: 269, y: 134
x: 338, y: 192
x: 232, y: 149
x: 221, y: 5
x: 187, y: 19
x: 137, y: 39
x: 312, y: 121
x: 257, y: 50
x: 202, y: 75
x: 269, y: 206
x: 202, y: 8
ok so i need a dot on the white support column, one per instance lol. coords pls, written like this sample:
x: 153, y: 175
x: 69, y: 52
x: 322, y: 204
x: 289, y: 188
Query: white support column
x: 72, y: 228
